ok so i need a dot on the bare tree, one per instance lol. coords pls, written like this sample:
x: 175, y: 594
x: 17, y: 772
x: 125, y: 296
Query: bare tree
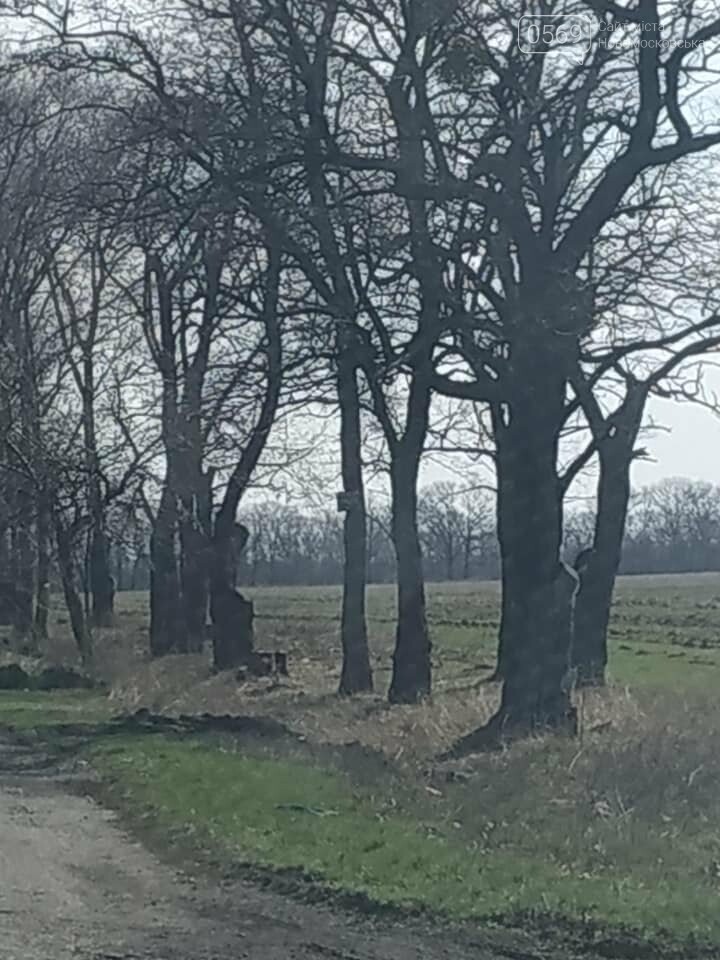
x: 565, y: 151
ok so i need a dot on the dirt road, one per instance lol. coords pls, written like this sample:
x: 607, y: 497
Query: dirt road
x: 74, y: 885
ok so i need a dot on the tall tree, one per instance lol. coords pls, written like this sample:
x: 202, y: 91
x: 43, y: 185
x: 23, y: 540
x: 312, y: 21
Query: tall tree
x: 565, y: 153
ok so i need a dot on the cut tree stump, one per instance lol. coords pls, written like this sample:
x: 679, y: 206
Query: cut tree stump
x: 263, y: 663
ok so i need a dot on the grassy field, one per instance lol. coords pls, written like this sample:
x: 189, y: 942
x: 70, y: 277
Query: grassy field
x: 665, y: 629
x: 621, y: 827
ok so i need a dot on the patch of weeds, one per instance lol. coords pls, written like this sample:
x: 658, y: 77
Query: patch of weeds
x: 286, y: 814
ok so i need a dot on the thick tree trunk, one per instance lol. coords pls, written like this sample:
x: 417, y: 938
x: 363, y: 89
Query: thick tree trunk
x: 356, y: 675
x: 73, y: 600
x: 102, y: 585
x: 233, y: 638
x: 512, y: 539
x: 194, y: 496
x: 539, y: 591
x: 511, y: 612
x: 594, y: 601
x: 167, y: 633
x: 536, y: 693
x: 232, y: 615
x: 592, y: 617
x: 194, y: 582
x: 412, y: 669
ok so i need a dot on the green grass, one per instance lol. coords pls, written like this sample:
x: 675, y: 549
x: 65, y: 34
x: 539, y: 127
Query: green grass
x: 470, y: 853
x: 28, y: 710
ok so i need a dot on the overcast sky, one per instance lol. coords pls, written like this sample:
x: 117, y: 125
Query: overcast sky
x: 683, y: 440
x: 689, y: 448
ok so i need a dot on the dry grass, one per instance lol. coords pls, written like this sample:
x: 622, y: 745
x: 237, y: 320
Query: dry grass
x: 306, y: 702
x: 463, y: 620
x: 654, y: 620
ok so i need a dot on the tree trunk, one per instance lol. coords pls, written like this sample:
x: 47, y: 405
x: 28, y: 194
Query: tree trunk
x: 356, y: 675
x: 99, y: 579
x: 594, y: 601
x: 73, y: 600
x: 412, y: 670
x: 511, y: 613
x: 194, y: 581
x: 167, y: 633
x: 232, y: 615
x: 512, y: 539
x: 538, y: 589
x: 42, y: 596
x: 24, y: 575
x: 194, y: 498
x: 102, y: 585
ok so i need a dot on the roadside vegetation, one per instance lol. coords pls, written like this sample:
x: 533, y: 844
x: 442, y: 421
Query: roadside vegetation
x: 608, y: 837
x: 616, y: 829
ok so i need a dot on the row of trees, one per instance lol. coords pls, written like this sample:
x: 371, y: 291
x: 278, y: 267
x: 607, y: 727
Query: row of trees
x: 673, y: 526
x: 218, y: 213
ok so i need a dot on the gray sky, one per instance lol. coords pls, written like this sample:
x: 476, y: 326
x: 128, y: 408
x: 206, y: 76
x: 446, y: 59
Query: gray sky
x: 683, y: 440
x: 690, y: 447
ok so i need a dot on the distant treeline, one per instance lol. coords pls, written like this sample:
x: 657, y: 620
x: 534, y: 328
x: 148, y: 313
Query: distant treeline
x: 673, y: 527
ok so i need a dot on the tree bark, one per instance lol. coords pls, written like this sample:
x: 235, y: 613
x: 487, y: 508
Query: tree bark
x: 194, y: 495
x: 167, y: 633
x: 194, y: 580
x: 517, y: 562
x: 42, y: 595
x: 24, y: 574
x: 232, y: 615
x: 538, y: 595
x: 412, y: 669
x: 100, y: 581
x: 102, y: 585
x: 356, y: 675
x: 511, y: 536
x: 594, y: 601
x: 73, y: 600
